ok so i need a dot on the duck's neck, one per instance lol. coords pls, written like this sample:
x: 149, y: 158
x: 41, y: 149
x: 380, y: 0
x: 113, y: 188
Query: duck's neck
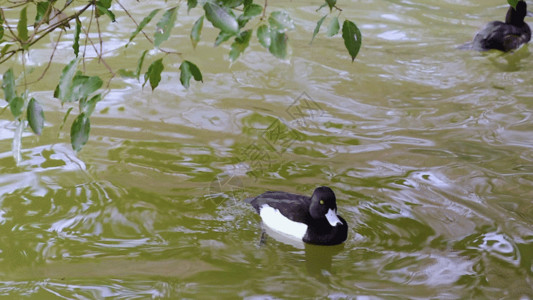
x: 516, y: 16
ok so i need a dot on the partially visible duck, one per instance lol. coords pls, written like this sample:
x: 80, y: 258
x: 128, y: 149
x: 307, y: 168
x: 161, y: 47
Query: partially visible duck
x: 503, y: 36
x: 312, y: 219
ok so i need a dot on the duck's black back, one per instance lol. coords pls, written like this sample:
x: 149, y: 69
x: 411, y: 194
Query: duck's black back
x: 501, y: 36
x: 293, y: 206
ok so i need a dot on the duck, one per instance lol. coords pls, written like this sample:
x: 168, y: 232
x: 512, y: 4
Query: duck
x: 504, y: 36
x: 313, y: 220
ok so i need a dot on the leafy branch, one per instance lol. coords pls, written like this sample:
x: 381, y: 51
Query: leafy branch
x: 232, y: 18
x: 350, y: 32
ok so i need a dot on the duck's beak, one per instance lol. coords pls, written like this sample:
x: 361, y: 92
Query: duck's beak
x: 332, y: 218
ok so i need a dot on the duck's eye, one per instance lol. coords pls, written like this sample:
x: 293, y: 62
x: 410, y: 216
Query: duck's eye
x: 321, y: 202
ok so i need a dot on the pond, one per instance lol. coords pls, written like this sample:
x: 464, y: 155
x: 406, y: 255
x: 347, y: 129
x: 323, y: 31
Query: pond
x: 428, y: 148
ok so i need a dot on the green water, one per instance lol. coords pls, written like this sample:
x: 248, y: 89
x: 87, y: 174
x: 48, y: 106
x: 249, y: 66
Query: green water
x: 428, y: 148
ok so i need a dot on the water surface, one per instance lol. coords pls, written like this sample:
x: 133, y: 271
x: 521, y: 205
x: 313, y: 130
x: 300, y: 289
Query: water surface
x: 428, y: 148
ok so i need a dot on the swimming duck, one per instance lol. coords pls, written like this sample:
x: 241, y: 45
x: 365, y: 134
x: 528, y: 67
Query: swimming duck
x: 313, y: 220
x: 504, y: 36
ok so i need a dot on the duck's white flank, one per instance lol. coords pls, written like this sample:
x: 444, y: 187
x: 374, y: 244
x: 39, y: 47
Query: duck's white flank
x: 276, y: 221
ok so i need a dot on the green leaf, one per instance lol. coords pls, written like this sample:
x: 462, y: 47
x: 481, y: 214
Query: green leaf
x: 513, y: 3
x: 76, y: 45
x: 352, y: 38
x: 22, y: 25
x: 263, y: 35
x: 321, y: 6
x: 63, y: 90
x: 191, y: 4
x: 16, y: 105
x: 143, y: 23
x: 249, y: 12
x: 140, y: 64
x: 231, y: 3
x: 278, y: 45
x: 5, y: 48
x: 105, y: 3
x: 79, y: 132
x: 252, y: 10
x: 8, y: 84
x: 333, y: 27
x: 87, y: 107
x: 42, y: 12
x: 165, y: 25
x: 83, y: 86
x: 126, y: 73
x: 280, y: 21
x: 317, y: 28
x: 221, y: 18
x: 222, y: 37
x: 69, y: 110
x: 102, y: 8
x: 35, y: 116
x: 17, y: 140
x: 154, y: 73
x: 240, y: 44
x: 331, y: 3
x: 188, y: 70
x: 197, y: 31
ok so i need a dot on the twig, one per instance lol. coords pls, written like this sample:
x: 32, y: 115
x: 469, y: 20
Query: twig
x: 15, y: 5
x: 264, y: 10
x: 99, y: 38
x: 142, y: 31
x: 134, y: 22
x: 23, y: 60
x: 11, y: 53
x: 96, y: 51
x: 8, y: 27
x: 49, y: 61
x: 87, y: 36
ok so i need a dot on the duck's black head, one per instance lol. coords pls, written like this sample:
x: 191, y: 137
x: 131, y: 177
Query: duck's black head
x: 324, y: 205
x: 516, y: 16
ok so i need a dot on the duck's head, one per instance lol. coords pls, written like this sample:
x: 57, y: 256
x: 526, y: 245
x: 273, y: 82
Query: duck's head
x: 515, y: 16
x: 324, y: 205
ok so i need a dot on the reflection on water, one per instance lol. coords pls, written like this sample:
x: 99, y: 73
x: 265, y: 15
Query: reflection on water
x: 428, y: 149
